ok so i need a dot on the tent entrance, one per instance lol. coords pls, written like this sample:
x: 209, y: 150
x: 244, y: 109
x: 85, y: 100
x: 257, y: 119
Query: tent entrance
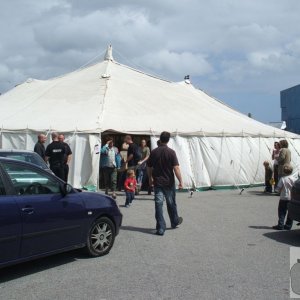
x: 118, y: 139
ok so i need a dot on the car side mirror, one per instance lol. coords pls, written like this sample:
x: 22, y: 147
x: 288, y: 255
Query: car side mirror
x: 65, y: 189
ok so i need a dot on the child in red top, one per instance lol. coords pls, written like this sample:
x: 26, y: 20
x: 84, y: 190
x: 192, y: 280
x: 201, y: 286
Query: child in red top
x: 130, y: 186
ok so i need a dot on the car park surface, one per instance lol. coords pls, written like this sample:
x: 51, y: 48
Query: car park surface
x: 224, y: 249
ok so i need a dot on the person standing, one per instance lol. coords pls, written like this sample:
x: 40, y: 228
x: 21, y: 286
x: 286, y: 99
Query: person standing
x: 284, y: 158
x: 39, y: 147
x: 123, y: 169
x: 110, y: 163
x: 275, y: 156
x: 133, y: 154
x: 268, y: 177
x: 285, y: 185
x: 162, y: 164
x: 67, y: 156
x: 55, y: 153
x: 142, y: 164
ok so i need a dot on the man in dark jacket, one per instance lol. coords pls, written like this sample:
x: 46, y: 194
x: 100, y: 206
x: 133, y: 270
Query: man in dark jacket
x: 39, y: 147
x: 55, y: 154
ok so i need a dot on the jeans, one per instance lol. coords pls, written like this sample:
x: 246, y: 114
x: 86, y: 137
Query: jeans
x: 140, y: 175
x: 110, y: 179
x: 282, y: 211
x: 129, y: 197
x: 170, y: 194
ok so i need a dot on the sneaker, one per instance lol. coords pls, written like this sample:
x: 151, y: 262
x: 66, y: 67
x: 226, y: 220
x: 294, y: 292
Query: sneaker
x: 277, y: 227
x: 160, y: 232
x: 180, y: 220
x: 127, y: 205
x: 286, y: 227
x: 114, y: 196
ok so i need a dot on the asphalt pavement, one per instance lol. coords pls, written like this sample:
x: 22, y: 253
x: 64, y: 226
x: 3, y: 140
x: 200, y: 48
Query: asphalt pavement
x: 224, y: 249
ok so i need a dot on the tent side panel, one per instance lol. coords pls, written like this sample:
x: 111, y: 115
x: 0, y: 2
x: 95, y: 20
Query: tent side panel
x: 84, y: 166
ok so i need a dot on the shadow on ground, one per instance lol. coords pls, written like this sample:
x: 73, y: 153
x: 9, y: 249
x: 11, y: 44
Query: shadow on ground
x: 138, y: 229
x: 39, y: 265
x: 261, y: 227
x: 289, y: 237
x: 261, y: 193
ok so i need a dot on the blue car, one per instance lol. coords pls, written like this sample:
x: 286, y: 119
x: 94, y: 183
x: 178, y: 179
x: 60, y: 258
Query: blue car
x: 41, y: 215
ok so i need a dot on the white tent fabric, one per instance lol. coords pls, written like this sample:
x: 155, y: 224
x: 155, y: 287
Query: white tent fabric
x: 216, y: 145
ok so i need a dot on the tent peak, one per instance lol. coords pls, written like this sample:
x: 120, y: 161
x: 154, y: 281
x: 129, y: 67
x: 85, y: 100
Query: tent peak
x: 108, y: 54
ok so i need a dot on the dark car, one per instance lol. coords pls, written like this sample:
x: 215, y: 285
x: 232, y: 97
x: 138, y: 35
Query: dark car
x: 294, y: 205
x: 41, y: 215
x: 25, y: 155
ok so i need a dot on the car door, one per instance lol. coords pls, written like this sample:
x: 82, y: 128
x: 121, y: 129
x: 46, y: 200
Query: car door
x: 10, y: 224
x: 50, y: 220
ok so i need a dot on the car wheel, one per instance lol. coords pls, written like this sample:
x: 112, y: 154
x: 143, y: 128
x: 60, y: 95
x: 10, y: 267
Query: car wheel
x: 101, y: 237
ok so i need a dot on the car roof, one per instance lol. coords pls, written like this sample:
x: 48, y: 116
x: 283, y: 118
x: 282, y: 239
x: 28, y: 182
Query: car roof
x: 18, y: 161
x: 16, y: 151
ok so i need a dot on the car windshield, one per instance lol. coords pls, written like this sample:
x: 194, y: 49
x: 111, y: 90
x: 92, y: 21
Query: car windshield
x: 27, y: 157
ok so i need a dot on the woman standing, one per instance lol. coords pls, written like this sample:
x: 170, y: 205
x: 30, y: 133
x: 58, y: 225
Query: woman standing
x: 275, y: 156
x: 284, y: 158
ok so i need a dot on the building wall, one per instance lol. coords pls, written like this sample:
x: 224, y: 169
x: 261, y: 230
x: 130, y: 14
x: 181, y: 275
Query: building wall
x: 290, y: 108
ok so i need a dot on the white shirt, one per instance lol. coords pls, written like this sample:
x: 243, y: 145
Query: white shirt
x: 112, y: 157
x: 285, y: 185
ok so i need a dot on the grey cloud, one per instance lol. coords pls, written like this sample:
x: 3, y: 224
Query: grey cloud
x: 226, y: 45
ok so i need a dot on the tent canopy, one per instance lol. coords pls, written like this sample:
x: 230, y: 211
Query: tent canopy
x: 111, y: 96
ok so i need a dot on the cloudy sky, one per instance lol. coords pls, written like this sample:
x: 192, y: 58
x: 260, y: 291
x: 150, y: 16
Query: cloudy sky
x: 243, y: 52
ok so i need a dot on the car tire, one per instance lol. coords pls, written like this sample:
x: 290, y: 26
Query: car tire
x: 101, y: 237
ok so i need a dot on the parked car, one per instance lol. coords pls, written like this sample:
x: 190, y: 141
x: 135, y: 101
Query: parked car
x: 41, y: 215
x: 25, y: 155
x: 294, y: 205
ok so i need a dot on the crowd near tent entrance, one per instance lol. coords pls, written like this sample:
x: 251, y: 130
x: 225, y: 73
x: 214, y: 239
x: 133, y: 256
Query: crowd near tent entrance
x: 118, y: 140
x: 217, y: 146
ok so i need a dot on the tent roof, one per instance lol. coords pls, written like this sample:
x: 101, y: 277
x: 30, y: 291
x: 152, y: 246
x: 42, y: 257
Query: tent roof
x: 111, y: 96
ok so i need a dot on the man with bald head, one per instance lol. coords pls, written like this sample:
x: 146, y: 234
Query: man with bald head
x: 39, y: 147
x: 55, y: 154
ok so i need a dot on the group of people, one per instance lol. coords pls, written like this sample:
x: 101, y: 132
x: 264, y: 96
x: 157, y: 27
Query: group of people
x: 116, y: 165
x: 280, y: 176
x: 138, y: 163
x: 57, y: 153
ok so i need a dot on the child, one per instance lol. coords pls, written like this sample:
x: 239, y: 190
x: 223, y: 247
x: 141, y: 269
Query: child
x: 268, y: 177
x: 130, y: 186
x: 284, y: 186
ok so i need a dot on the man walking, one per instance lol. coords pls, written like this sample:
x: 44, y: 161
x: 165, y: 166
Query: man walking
x: 67, y: 156
x: 55, y: 153
x: 39, y: 147
x: 162, y: 164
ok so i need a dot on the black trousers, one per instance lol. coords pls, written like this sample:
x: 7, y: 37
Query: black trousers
x: 268, y: 186
x: 66, y: 172
x: 276, y: 175
x: 58, y: 170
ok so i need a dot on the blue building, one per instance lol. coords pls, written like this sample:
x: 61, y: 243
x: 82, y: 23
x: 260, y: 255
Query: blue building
x: 290, y: 108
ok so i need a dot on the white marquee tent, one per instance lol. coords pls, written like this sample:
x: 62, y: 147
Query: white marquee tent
x: 216, y: 145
